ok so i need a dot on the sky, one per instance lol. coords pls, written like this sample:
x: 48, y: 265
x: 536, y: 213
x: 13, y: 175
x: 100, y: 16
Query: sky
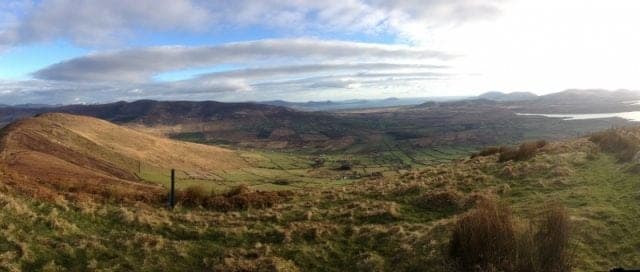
x: 98, y: 51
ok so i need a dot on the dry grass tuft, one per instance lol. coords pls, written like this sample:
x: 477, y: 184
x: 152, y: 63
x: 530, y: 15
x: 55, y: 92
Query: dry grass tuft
x: 258, y: 258
x: 484, y: 239
x: 487, y: 239
x: 524, y: 152
x: 446, y: 199
x: 370, y: 262
x: 552, y: 240
x: 624, y: 145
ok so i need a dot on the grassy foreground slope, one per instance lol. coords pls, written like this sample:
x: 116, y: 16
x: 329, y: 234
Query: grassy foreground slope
x: 391, y: 223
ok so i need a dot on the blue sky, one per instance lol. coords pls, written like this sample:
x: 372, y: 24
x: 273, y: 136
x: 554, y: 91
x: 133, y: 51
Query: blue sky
x: 96, y: 51
x: 19, y: 62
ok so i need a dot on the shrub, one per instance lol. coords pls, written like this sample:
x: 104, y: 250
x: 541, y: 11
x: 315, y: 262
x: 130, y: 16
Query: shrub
x: 488, y: 151
x: 486, y: 239
x: 238, y: 190
x: 614, y: 141
x: 194, y: 196
x: 238, y: 198
x: 524, y: 152
x: 344, y: 166
x: 441, y: 200
x: 552, y: 240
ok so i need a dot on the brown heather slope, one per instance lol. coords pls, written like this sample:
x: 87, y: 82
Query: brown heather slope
x: 78, y: 156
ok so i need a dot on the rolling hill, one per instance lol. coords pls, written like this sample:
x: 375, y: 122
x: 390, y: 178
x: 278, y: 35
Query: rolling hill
x: 403, y: 222
x: 247, y: 124
x: 580, y: 101
x: 82, y: 155
x: 473, y: 122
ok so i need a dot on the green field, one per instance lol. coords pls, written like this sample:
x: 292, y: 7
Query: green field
x: 281, y: 170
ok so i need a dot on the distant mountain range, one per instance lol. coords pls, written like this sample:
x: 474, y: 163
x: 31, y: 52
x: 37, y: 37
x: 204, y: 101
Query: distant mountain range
x: 515, y: 96
x: 357, y: 103
x: 367, y: 123
x: 580, y: 101
x: 572, y: 99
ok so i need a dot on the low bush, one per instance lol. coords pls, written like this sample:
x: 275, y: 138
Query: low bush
x: 194, y: 196
x: 524, y: 152
x: 487, y: 239
x: 488, y: 151
x: 624, y: 146
x: 238, y: 198
x: 439, y: 200
x: 344, y: 166
x: 484, y: 239
x: 552, y: 241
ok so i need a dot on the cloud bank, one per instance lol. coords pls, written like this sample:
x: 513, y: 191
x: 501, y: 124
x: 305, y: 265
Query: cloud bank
x: 96, y: 22
x: 321, y: 66
x: 139, y: 65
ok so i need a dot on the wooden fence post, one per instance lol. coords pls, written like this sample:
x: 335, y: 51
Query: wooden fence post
x: 172, y: 196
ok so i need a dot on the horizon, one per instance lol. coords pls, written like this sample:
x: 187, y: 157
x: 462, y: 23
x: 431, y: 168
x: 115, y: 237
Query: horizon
x: 65, y: 52
x: 336, y: 101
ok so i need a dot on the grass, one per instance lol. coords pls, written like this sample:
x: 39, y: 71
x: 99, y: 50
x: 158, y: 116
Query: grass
x: 331, y: 220
x: 280, y: 170
x: 489, y: 238
x: 603, y: 203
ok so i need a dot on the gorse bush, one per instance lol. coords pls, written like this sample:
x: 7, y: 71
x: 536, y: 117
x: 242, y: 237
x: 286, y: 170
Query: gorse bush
x: 487, y: 239
x: 625, y: 146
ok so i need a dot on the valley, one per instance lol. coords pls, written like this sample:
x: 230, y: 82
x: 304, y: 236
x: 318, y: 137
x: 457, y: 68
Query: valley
x: 319, y: 136
x: 91, y: 192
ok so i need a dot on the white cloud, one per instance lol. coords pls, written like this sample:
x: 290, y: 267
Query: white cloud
x: 263, y: 68
x: 96, y: 22
x: 93, y: 22
x: 140, y: 65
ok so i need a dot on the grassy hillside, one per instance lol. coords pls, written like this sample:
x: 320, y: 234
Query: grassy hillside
x: 60, y: 151
x: 401, y: 221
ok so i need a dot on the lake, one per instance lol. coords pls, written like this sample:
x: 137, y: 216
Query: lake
x: 629, y: 115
